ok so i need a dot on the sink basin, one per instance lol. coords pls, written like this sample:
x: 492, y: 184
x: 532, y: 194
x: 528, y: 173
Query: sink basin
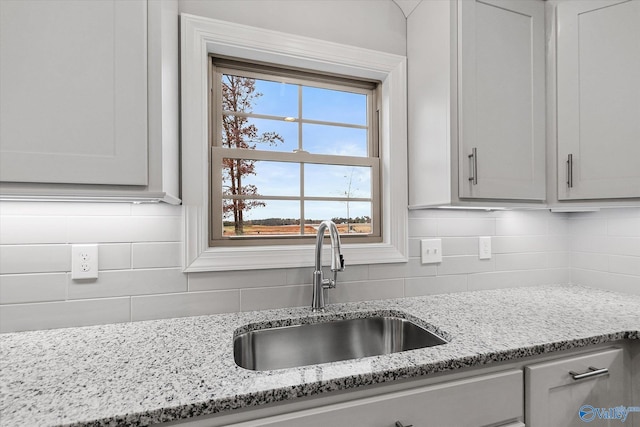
x: 310, y: 344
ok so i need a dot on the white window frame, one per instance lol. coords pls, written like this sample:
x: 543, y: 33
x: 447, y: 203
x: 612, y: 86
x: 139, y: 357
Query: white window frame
x: 201, y: 37
x: 370, y: 161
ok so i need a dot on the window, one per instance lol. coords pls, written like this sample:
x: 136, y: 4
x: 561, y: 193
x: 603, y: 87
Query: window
x: 288, y: 150
x: 202, y: 37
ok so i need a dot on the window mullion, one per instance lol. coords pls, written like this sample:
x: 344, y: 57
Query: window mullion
x: 300, y: 145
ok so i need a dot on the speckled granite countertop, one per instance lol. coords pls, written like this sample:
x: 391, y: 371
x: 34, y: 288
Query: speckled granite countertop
x: 147, y: 372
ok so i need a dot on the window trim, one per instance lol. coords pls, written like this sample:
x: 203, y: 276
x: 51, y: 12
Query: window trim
x: 203, y: 36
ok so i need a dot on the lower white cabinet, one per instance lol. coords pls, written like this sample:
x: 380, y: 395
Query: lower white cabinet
x: 494, y: 399
x: 568, y: 392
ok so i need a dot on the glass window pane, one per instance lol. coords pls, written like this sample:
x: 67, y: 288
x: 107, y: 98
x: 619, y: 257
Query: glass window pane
x: 350, y: 217
x: 334, y: 140
x: 260, y: 178
x: 334, y: 106
x: 261, y: 134
x: 266, y: 218
x: 337, y: 181
x: 257, y: 96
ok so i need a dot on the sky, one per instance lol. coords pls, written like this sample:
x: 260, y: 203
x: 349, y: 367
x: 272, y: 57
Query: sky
x: 283, y: 179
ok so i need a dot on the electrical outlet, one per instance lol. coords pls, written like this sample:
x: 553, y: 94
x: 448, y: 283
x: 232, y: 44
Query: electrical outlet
x: 84, y: 262
x: 484, y: 247
x: 431, y: 251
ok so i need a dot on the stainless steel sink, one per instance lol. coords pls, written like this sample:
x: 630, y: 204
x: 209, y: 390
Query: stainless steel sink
x: 309, y: 344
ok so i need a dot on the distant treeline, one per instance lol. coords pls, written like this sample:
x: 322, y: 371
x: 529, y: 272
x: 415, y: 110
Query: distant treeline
x: 293, y: 221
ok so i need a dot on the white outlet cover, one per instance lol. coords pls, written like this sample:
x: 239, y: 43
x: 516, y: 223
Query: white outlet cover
x: 84, y: 262
x: 484, y: 247
x: 431, y: 251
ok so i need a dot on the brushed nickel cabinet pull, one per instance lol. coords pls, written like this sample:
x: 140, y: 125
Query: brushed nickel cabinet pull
x: 473, y: 157
x: 399, y: 424
x: 592, y: 372
x: 570, y: 171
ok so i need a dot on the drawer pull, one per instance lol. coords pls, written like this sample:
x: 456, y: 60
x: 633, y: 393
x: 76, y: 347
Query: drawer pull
x: 592, y: 372
x: 399, y: 424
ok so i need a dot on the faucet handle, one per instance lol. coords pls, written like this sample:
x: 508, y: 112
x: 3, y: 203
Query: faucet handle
x: 341, y: 263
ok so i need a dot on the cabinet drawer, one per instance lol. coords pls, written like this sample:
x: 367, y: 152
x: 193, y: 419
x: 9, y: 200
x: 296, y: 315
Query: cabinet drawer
x: 557, y: 390
x: 477, y: 401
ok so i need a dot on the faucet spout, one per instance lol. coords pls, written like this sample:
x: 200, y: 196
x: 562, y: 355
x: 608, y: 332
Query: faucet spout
x: 337, y: 264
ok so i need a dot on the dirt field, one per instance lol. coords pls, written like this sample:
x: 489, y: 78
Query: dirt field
x: 292, y: 230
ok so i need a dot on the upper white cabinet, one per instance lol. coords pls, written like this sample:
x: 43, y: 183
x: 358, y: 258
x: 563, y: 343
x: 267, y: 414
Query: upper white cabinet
x: 598, y: 99
x: 476, y: 102
x: 83, y: 87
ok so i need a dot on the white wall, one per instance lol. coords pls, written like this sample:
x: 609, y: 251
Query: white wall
x: 373, y: 24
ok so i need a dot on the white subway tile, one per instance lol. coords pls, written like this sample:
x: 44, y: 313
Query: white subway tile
x: 64, y: 208
x: 275, y: 297
x: 624, y: 265
x: 299, y: 276
x: 157, y: 255
x: 625, y: 246
x: 559, y: 243
x: 510, y: 279
x: 219, y: 280
x: 114, y: 256
x: 17, y: 230
x: 414, y: 247
x: 527, y: 261
x: 604, y: 280
x: 559, y: 224
x: 457, y: 227
x: 588, y: 227
x: 632, y: 212
x: 150, y: 307
x: 520, y: 223
x: 129, y: 282
x: 590, y: 261
x: 460, y: 246
x: 464, y: 265
x: 64, y: 314
x: 412, y: 268
x: 519, y: 244
x: 418, y: 286
x: 558, y: 259
x: 585, y: 243
x: 351, y: 273
x: 624, y: 227
x: 367, y: 291
x: 423, y: 227
x: 124, y: 229
x: 21, y: 288
x: 34, y: 258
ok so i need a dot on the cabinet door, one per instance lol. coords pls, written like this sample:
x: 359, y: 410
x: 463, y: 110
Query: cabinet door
x: 484, y: 400
x: 502, y: 99
x: 73, y: 79
x: 554, y: 397
x: 598, y: 64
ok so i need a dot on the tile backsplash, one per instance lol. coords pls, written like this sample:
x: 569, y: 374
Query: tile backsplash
x: 140, y: 252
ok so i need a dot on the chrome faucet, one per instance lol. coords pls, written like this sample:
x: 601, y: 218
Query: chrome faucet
x: 337, y: 264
